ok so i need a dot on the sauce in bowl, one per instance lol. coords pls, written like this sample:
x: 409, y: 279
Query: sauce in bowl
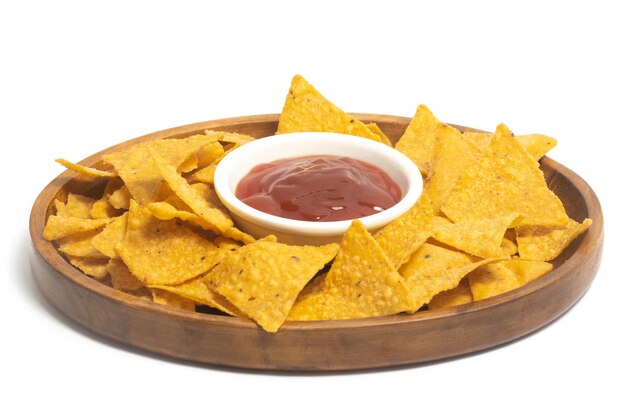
x: 320, y: 188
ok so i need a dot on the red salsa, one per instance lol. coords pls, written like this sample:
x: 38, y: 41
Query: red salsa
x: 321, y: 188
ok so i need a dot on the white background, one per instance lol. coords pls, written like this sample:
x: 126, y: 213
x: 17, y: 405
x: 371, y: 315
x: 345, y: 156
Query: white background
x: 77, y: 77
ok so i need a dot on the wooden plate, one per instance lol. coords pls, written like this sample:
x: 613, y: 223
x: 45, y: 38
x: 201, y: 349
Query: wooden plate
x: 317, y: 346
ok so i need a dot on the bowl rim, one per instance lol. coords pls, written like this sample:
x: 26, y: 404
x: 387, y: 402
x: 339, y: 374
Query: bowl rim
x: 410, y: 173
x: 46, y: 250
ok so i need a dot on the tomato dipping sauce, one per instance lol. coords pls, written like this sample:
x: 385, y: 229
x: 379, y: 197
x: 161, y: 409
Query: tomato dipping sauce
x: 321, y: 188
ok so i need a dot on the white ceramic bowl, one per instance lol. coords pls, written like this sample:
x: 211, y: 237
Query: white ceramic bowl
x: 240, y: 161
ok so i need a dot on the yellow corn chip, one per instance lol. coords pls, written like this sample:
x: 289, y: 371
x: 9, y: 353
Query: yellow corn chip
x: 161, y: 252
x: 480, y: 139
x: 306, y: 110
x: 168, y: 299
x: 120, y: 199
x: 79, y: 245
x: 452, y: 156
x: 373, y: 127
x: 59, y: 226
x: 457, y: 296
x: 500, y: 277
x: 508, y: 247
x: 400, y: 238
x: 138, y: 170
x: 216, y: 219
x: 226, y: 243
x: 92, y: 172
x: 112, y: 235
x: 418, y: 140
x: 264, y: 278
x: 76, y: 206
x: 362, y: 282
x: 433, y: 269
x: 479, y: 237
x: 199, y: 292
x: 102, y: 209
x: 506, y: 180
x: 230, y: 137
x: 537, y: 145
x: 209, y: 153
x: 121, y: 278
x: 93, y: 267
x: 546, y: 243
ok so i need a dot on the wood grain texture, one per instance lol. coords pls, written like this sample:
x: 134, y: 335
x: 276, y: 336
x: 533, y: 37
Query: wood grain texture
x: 316, y: 346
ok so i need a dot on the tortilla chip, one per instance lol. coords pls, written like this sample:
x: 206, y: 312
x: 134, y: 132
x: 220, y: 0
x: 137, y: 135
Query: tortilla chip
x: 452, y: 156
x: 362, y: 282
x: 121, y: 278
x: 226, y: 243
x: 537, y: 145
x: 418, y: 140
x: 120, y: 199
x: 457, y: 296
x: 373, y: 127
x: 79, y: 245
x: 138, y: 170
x: 230, y: 137
x: 497, y: 278
x: 215, y: 219
x: 76, y: 206
x: 59, y: 226
x: 480, y: 237
x: 401, y: 238
x: 102, y: 209
x: 546, y: 243
x: 508, y: 246
x: 506, y: 180
x: 306, y: 110
x: 479, y: 139
x: 112, y: 235
x: 161, y: 252
x: 92, y: 172
x: 209, y: 153
x: 433, y: 269
x: 93, y: 267
x: 168, y: 299
x: 264, y: 278
x: 199, y: 292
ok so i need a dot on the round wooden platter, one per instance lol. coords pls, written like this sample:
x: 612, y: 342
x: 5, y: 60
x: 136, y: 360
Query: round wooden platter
x: 323, y: 345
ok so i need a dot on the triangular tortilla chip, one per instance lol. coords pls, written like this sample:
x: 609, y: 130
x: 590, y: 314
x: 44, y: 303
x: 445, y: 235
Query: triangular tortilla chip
x: 112, y: 235
x: 361, y: 283
x: 400, y: 238
x: 433, y: 269
x: 215, y: 218
x: 546, y: 243
x: 138, y: 170
x: 479, y: 237
x: 81, y: 169
x: 161, y: 252
x: 500, y: 277
x: 536, y: 144
x: 506, y: 180
x: 198, y: 291
x: 452, y: 156
x: 418, y: 140
x: 264, y: 278
x: 461, y: 294
x: 58, y: 226
x: 79, y: 244
x: 76, y: 205
x: 306, y: 110
x: 373, y: 127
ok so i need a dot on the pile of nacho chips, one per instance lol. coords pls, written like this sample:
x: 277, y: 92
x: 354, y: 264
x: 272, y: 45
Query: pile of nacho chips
x: 486, y: 223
